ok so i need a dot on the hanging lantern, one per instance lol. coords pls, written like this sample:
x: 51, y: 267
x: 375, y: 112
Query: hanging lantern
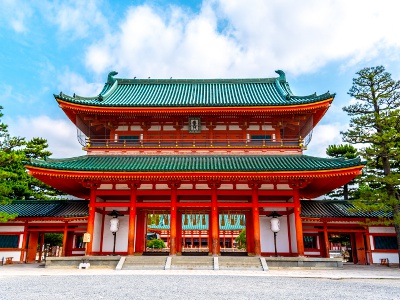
x: 166, y: 220
x: 185, y: 220
x: 194, y: 220
x: 204, y: 220
x: 242, y: 220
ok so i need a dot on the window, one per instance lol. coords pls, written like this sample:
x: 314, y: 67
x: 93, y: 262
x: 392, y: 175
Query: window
x: 133, y: 138
x: 310, y: 241
x: 385, y: 242
x: 9, y: 241
x: 261, y: 137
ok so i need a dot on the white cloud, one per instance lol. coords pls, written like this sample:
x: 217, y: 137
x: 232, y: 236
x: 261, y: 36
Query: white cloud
x: 76, y: 19
x: 70, y: 83
x: 245, y: 38
x: 60, y: 134
x: 323, y: 136
x: 15, y: 15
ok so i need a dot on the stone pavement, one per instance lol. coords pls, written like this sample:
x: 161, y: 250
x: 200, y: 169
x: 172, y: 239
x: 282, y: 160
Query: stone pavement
x: 349, y: 271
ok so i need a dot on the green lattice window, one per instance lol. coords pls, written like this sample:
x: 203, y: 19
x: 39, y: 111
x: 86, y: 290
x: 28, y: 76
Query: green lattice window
x: 310, y: 241
x: 385, y: 242
x: 9, y: 241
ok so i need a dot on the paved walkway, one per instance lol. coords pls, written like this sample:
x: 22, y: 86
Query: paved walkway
x: 349, y: 271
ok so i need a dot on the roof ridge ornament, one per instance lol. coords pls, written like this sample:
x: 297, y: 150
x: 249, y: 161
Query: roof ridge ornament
x: 282, y: 76
x: 110, y: 78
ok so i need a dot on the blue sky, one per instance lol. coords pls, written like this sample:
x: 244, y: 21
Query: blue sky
x: 70, y: 46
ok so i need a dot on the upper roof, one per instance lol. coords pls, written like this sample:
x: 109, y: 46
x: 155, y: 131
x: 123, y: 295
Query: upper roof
x: 193, y: 163
x: 47, y: 208
x: 119, y: 92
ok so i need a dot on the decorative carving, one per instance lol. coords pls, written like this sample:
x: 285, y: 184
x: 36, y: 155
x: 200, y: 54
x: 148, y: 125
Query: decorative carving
x: 174, y: 184
x: 254, y: 184
x: 134, y: 185
x: 110, y: 78
x: 214, y: 184
x: 91, y: 184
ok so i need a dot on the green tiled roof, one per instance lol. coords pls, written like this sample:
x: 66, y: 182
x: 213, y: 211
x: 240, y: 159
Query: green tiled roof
x: 192, y: 163
x: 336, y: 209
x: 195, y: 93
x: 47, y: 208
x: 200, y: 224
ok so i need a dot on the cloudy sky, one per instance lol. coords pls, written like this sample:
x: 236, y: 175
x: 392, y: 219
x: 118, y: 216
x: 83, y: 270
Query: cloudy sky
x: 71, y: 46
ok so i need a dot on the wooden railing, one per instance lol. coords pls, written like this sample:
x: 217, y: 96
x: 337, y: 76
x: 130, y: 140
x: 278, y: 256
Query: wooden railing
x: 184, y: 143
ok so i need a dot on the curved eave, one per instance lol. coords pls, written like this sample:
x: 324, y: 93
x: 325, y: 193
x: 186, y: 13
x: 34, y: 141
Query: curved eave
x: 278, y: 109
x: 318, y: 182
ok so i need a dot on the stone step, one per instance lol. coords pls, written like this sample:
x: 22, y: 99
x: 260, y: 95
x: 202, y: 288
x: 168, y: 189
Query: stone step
x: 192, y: 263
x: 240, y: 263
x: 144, y: 263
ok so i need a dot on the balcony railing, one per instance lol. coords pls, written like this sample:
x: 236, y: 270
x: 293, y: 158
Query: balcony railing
x: 185, y: 143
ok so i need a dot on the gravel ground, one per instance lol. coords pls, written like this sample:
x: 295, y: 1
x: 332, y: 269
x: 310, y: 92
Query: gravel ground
x: 133, y: 286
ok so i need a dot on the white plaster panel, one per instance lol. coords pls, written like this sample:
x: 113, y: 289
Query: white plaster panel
x: 254, y: 127
x: 267, y: 127
x: 186, y: 127
x: 202, y: 187
x: 121, y: 244
x: 185, y: 186
x: 96, y: 232
x: 122, y: 128
x: 136, y: 128
x: 283, y: 186
x: 14, y: 254
x: 146, y: 186
x: 220, y: 127
x: 169, y: 128
x: 78, y: 252
x: 12, y: 228
x: 393, y: 257
x: 106, y: 186
x: 226, y: 186
x: 267, y: 186
x: 121, y: 186
x: 242, y: 187
x: 234, y: 127
x: 162, y: 186
x: 311, y: 253
x: 293, y: 233
x: 267, y: 236
x: 155, y: 128
x: 382, y: 229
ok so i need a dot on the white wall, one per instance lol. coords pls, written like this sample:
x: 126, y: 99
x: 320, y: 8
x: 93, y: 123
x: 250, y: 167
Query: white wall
x: 97, y: 232
x: 267, y: 236
x: 14, y: 254
x: 393, y: 257
x: 12, y: 228
x: 382, y: 229
x: 121, y: 244
x: 293, y: 233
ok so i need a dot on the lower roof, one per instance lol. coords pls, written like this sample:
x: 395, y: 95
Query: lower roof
x: 196, y: 163
x: 79, y: 208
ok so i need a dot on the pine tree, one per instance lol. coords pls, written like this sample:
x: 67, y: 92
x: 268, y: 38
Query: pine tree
x: 345, y: 151
x: 375, y: 124
x: 15, y: 182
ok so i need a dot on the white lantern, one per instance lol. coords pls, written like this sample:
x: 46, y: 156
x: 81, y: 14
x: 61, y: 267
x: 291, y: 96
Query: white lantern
x: 275, y: 225
x: 114, y: 225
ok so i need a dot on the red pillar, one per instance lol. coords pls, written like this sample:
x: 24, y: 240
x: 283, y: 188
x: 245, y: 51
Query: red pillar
x: 90, y: 225
x: 299, y: 225
x: 173, y: 186
x: 140, y: 232
x: 249, y: 233
x: 326, y: 241
x: 256, y: 218
x: 214, y: 222
x: 132, y: 219
x: 64, y: 242
x: 179, y: 232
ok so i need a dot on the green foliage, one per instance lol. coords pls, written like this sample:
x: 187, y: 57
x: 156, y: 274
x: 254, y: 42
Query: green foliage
x: 15, y: 182
x: 241, y: 239
x: 156, y: 244
x: 347, y: 191
x: 54, y: 239
x: 375, y: 124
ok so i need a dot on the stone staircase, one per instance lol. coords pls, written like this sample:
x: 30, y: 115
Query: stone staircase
x: 240, y: 263
x: 192, y: 263
x: 144, y: 263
